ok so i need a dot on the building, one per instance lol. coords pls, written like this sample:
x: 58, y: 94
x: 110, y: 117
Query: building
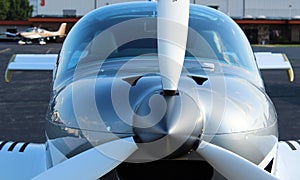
x: 277, y: 9
x: 271, y: 9
x: 263, y: 21
x: 68, y: 8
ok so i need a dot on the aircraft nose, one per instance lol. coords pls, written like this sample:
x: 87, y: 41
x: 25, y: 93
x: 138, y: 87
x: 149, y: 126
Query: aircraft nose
x: 175, y: 132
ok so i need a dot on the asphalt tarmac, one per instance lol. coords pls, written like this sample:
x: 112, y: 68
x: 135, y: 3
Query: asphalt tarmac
x: 24, y: 101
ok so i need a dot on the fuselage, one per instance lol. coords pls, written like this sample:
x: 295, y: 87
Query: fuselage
x: 107, y: 86
x: 34, y: 33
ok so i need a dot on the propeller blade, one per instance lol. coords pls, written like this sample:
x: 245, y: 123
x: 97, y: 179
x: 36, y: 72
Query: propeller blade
x: 93, y: 163
x: 172, y: 29
x: 231, y: 165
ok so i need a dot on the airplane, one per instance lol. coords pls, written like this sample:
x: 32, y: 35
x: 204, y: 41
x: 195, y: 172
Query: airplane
x: 40, y: 34
x: 164, y: 82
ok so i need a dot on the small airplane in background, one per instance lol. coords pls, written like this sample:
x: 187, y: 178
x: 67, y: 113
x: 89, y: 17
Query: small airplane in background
x: 40, y: 34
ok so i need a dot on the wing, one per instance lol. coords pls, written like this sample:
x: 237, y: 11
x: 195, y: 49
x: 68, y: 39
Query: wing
x: 288, y: 160
x: 272, y: 61
x: 30, y: 62
x: 21, y: 160
x: 32, y: 36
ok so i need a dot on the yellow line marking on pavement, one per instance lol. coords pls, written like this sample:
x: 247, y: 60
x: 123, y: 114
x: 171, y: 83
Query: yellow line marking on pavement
x: 5, y: 50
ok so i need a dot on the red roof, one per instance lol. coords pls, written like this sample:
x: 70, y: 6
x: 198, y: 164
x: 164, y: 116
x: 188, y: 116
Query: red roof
x: 75, y: 19
x: 53, y: 19
x: 266, y: 21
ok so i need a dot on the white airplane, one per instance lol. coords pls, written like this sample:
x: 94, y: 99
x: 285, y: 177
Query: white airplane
x: 39, y: 34
x: 157, y: 82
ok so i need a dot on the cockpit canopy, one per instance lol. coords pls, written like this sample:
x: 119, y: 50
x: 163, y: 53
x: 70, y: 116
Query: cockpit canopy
x: 129, y: 29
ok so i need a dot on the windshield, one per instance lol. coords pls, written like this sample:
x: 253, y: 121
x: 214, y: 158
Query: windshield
x: 129, y: 30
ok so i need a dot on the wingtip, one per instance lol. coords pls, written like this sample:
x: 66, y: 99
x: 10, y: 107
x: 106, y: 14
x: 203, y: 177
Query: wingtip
x: 8, y: 72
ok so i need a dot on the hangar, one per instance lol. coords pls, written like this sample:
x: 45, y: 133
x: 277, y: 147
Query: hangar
x: 263, y: 21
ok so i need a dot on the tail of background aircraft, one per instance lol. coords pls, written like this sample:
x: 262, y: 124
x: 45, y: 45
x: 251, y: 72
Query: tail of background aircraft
x: 62, y: 30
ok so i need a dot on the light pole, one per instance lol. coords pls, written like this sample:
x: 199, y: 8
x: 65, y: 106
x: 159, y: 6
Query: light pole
x: 228, y: 7
x: 244, y: 8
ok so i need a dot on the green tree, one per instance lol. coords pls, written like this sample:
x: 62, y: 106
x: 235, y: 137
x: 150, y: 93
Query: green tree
x: 4, y: 8
x: 19, y: 10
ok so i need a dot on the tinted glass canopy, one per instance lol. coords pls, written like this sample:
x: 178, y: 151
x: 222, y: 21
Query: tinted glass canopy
x: 128, y: 30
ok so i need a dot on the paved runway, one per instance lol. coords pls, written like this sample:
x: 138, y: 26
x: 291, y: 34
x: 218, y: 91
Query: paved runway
x: 285, y: 95
x: 23, y: 102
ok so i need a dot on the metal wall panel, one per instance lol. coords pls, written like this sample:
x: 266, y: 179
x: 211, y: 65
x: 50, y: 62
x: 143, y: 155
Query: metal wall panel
x: 234, y: 8
x: 56, y: 7
x: 273, y: 8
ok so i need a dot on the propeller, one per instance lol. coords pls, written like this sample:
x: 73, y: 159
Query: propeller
x: 93, y: 163
x: 231, y: 165
x: 172, y: 29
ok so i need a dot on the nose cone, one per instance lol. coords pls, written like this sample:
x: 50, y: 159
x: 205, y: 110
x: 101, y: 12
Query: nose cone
x: 172, y: 134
